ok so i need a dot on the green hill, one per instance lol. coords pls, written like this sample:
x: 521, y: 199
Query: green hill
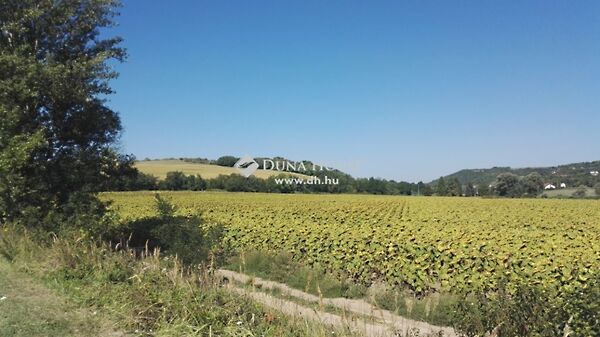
x: 572, y: 175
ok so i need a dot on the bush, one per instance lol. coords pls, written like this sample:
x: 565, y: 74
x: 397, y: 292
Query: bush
x: 531, y: 311
x: 227, y: 161
x: 81, y: 211
x: 184, y: 236
x: 175, y: 181
x: 582, y: 303
x: 527, y: 312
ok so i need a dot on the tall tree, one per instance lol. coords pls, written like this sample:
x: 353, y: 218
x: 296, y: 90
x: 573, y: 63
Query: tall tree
x: 454, y: 187
x: 57, y: 133
x: 420, y: 188
x: 427, y: 190
x: 174, y: 181
x: 532, y: 184
x: 470, y: 190
x: 507, y: 185
x: 441, y: 188
x: 483, y: 189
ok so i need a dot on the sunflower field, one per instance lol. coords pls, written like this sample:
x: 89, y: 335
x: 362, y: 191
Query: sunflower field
x: 420, y: 243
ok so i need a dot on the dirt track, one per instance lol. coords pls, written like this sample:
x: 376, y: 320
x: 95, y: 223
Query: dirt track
x: 373, y: 322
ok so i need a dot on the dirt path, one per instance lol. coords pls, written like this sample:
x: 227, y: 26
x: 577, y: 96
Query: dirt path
x: 376, y: 322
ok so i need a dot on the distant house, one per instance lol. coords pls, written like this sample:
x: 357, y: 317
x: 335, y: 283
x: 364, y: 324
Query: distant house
x: 563, y: 185
x: 594, y: 173
x: 549, y: 187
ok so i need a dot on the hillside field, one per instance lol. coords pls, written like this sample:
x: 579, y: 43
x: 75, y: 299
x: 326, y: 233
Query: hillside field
x: 419, y: 243
x: 159, y: 169
x: 568, y: 192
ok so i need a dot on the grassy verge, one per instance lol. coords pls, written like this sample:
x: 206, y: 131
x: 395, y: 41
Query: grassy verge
x: 280, y: 267
x: 30, y: 309
x: 147, y: 295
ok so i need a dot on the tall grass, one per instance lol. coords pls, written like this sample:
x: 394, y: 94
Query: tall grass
x: 147, y: 293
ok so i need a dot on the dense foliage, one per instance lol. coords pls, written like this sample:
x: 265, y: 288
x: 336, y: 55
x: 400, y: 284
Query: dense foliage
x: 186, y: 237
x: 531, y: 310
x: 57, y: 132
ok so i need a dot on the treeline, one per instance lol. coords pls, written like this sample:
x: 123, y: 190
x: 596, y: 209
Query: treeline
x: 134, y: 180
x: 227, y: 161
x: 506, y: 185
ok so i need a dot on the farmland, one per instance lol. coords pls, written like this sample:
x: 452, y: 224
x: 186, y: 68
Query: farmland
x: 568, y: 192
x: 160, y: 168
x: 420, y: 243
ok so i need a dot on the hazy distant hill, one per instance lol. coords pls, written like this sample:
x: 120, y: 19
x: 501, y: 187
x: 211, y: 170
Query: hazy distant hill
x: 571, y: 174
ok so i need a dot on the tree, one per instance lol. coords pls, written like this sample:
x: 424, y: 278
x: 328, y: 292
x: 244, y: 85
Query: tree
x: 228, y: 161
x: 470, y: 190
x: 441, y: 188
x: 597, y: 189
x: 57, y: 133
x: 195, y: 183
x: 507, y: 185
x: 532, y: 184
x: 454, y: 187
x: 427, y: 190
x: 420, y: 188
x: 175, y: 181
x: 144, y: 182
x: 484, y: 190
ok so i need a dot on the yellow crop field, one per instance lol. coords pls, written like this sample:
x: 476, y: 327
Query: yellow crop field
x: 159, y: 169
x: 421, y: 243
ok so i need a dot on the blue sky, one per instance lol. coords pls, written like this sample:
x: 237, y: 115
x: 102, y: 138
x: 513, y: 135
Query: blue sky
x: 394, y: 89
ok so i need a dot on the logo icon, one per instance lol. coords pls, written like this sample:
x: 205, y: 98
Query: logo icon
x: 246, y: 165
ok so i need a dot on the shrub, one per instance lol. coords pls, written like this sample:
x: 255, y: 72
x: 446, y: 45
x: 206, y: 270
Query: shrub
x: 531, y: 311
x: 187, y: 237
x: 227, y: 161
x: 582, y: 303
x: 526, y: 312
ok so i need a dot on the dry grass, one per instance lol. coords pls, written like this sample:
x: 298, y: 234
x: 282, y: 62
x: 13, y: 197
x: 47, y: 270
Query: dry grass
x: 159, y: 168
x: 568, y: 192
